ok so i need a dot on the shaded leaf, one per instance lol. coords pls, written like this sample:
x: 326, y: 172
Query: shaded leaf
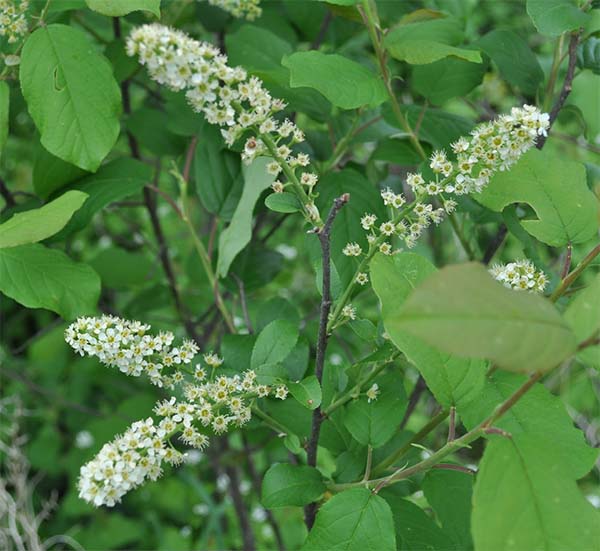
x: 291, y: 485
x: 343, y: 82
x: 274, y: 343
x: 514, y: 58
x: 375, y: 422
x: 39, y: 277
x: 354, y: 520
x: 554, y: 17
x: 237, y: 235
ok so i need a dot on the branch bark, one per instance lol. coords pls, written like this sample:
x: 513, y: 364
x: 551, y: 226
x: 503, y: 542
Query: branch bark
x: 324, y: 235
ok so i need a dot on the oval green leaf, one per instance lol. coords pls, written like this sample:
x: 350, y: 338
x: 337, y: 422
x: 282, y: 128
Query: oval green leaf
x: 286, y: 485
x: 71, y: 95
x: 354, y: 520
x: 462, y: 310
x: 343, y: 82
x: 37, y: 224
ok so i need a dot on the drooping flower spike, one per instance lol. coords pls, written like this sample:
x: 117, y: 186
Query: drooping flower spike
x: 493, y: 146
x: 13, y: 21
x: 246, y: 9
x: 210, y: 405
x: 229, y: 98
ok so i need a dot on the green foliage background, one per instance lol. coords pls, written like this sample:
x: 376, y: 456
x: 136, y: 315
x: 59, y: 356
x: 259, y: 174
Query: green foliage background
x: 76, y: 239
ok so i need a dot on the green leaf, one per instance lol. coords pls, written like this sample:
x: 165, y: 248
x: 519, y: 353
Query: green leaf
x: 270, y: 374
x: 415, y: 530
x: 283, y: 202
x: 121, y: 269
x: 462, y: 310
x: 376, y: 422
x: 237, y: 235
x: 4, y: 112
x: 71, y: 95
x: 38, y: 277
x: 343, y: 82
x: 449, y: 494
x: 274, y: 343
x: 114, y: 181
x: 427, y: 41
x: 364, y: 197
x: 453, y: 381
x: 588, y: 55
x: 287, y: 485
x: 117, y: 8
x: 583, y: 315
x: 307, y: 392
x: 257, y: 49
x: 538, y: 413
x: 218, y: 177
x: 447, y: 78
x: 538, y: 179
x: 525, y: 500
x: 354, y: 520
x: 554, y: 17
x: 37, y: 224
x: 51, y: 173
x: 514, y: 58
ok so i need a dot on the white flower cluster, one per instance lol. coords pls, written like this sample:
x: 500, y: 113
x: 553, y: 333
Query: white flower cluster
x: 227, y: 97
x: 128, y: 346
x: 248, y: 9
x: 212, y: 405
x: 13, y: 22
x: 493, y: 146
x: 520, y: 275
x: 373, y: 392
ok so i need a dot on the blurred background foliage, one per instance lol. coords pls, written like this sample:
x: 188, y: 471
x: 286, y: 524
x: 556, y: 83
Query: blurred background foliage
x: 73, y: 405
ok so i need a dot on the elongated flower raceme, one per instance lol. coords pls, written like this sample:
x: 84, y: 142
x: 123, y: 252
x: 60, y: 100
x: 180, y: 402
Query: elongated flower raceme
x: 13, y: 22
x: 493, y: 146
x: 520, y: 275
x: 246, y: 9
x: 229, y: 98
x: 212, y: 403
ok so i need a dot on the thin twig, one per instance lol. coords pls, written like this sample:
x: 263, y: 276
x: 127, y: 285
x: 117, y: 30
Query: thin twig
x: 453, y: 467
x: 452, y: 424
x: 566, y: 87
x: 322, y: 31
x: 324, y: 236
x: 238, y: 503
x: 256, y: 484
x: 244, y: 302
x: 413, y: 400
x: 6, y: 194
x: 567, y: 266
x: 495, y: 243
x: 572, y: 277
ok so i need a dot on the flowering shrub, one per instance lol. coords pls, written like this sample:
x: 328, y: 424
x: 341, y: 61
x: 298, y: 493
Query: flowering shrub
x: 303, y: 230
